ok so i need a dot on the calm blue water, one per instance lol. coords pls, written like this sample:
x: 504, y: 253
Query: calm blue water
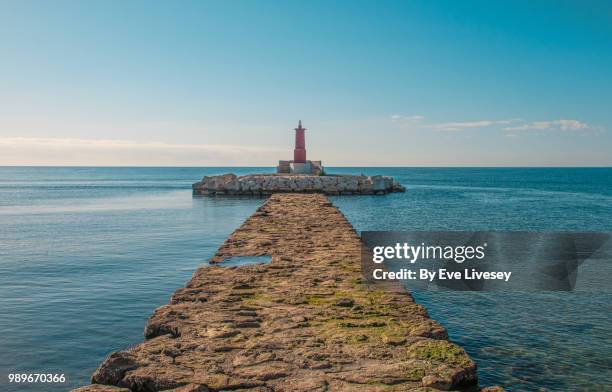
x: 86, y: 255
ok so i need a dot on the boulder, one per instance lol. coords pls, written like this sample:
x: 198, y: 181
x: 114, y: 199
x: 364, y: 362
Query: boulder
x: 114, y: 368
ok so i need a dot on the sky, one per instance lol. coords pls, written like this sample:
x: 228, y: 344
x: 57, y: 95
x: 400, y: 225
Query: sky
x: 385, y: 83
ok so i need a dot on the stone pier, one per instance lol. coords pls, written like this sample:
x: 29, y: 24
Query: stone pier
x: 303, y: 322
x: 267, y: 184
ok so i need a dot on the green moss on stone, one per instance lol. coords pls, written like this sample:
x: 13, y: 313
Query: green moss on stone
x: 440, y: 351
x: 415, y: 374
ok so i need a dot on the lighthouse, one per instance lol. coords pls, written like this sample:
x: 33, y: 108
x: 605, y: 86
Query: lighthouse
x: 299, y: 164
x: 299, y: 153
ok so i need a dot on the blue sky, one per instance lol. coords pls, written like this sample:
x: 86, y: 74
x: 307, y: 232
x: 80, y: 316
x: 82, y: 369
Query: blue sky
x: 407, y: 83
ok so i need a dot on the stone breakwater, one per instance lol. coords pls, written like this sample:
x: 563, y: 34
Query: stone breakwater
x: 266, y: 184
x: 303, y: 322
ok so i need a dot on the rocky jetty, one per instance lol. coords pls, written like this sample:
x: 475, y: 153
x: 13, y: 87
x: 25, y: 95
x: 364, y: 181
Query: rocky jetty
x: 266, y: 184
x: 303, y: 322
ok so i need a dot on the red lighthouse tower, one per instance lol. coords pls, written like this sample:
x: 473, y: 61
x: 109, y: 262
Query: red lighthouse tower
x: 299, y: 153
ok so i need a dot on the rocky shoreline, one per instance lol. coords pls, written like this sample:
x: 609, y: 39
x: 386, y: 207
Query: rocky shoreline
x: 266, y: 184
x: 303, y: 322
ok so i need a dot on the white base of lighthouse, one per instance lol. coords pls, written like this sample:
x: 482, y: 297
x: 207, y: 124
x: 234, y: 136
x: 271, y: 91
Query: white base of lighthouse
x: 308, y: 167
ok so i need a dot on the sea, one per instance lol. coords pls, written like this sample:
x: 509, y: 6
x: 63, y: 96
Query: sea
x: 88, y: 253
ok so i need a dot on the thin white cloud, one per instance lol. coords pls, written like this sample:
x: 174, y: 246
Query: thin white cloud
x: 463, y: 125
x: 117, y: 143
x: 563, y: 125
x: 402, y: 118
x: 513, y: 124
x: 74, y: 151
